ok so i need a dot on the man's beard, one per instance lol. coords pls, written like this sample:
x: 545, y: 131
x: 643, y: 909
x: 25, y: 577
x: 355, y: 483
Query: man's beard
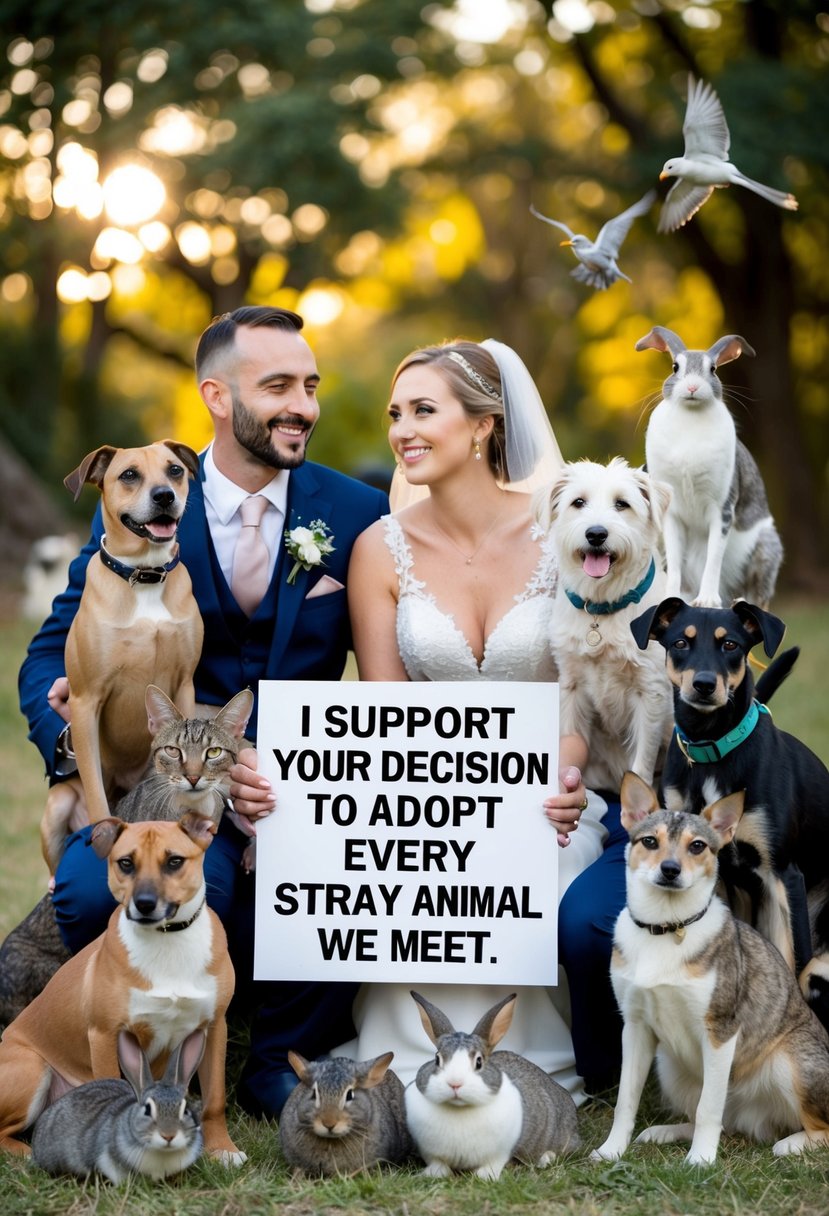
x: 255, y: 436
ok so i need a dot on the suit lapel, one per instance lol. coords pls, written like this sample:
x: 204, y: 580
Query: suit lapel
x: 194, y: 539
x: 304, y: 505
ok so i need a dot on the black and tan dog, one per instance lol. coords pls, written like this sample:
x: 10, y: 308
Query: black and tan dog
x: 725, y: 741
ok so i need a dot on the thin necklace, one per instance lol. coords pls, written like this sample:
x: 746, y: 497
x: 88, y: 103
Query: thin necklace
x: 470, y: 557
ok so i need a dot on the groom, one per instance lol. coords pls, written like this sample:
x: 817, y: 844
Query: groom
x: 258, y: 378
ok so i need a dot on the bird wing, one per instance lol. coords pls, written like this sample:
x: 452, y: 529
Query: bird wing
x: 705, y: 128
x: 611, y: 235
x: 555, y: 223
x: 681, y: 202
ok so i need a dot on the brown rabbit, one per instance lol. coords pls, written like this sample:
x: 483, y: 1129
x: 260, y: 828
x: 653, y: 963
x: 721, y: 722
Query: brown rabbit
x: 344, y: 1116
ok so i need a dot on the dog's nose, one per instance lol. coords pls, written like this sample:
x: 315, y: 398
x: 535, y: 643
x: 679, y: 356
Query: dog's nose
x: 670, y: 869
x: 704, y: 683
x: 596, y: 536
x: 163, y: 496
x: 145, y: 903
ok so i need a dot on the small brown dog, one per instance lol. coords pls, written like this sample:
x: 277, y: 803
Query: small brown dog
x: 160, y: 970
x: 137, y: 624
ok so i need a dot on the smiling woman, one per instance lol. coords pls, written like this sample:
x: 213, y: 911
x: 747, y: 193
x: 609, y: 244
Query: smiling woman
x: 469, y: 432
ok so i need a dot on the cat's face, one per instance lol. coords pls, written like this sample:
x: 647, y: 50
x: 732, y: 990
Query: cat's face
x: 194, y: 754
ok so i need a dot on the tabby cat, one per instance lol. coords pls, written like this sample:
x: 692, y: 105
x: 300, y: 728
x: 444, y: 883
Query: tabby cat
x: 192, y: 759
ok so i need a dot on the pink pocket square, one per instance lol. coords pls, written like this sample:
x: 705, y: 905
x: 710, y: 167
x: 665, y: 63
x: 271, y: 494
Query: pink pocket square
x: 325, y: 586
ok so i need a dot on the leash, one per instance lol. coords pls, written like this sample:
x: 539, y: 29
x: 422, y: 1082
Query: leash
x: 137, y: 574
x: 678, y: 927
x: 709, y: 751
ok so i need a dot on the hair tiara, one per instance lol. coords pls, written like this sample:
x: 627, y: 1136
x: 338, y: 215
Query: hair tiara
x: 475, y: 377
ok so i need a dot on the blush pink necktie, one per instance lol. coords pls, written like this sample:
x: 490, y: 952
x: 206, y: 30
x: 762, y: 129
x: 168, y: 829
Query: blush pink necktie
x: 251, y: 558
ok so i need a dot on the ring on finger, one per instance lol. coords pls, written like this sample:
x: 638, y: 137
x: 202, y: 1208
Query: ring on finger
x: 583, y: 807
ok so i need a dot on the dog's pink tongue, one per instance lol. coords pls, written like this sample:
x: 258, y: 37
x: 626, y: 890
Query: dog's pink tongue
x: 596, y: 564
x: 160, y: 531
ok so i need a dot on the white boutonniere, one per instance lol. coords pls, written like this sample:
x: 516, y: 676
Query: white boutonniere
x: 308, y: 546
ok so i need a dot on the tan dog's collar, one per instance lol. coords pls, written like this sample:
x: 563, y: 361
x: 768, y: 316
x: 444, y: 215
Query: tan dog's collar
x: 137, y: 574
x: 175, y: 926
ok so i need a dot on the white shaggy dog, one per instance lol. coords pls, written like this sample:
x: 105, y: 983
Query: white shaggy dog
x: 606, y: 522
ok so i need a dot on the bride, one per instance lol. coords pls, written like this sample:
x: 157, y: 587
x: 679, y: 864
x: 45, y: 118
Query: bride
x: 458, y: 584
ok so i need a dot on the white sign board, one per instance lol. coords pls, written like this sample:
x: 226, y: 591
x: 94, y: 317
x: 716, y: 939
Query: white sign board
x: 409, y: 841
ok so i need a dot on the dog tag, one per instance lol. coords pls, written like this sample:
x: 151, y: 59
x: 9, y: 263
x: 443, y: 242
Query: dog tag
x: 680, y: 933
x: 593, y: 636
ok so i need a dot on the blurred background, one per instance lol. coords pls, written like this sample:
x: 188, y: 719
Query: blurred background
x: 372, y: 164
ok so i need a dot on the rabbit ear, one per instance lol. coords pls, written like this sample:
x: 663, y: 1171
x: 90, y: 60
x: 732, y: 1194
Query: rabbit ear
x: 186, y: 1058
x: 299, y: 1064
x: 662, y: 339
x: 496, y: 1021
x: 372, y: 1072
x: 435, y: 1023
x: 728, y: 348
x: 134, y: 1064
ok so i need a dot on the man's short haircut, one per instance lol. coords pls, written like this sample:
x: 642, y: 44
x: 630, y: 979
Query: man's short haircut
x: 220, y: 335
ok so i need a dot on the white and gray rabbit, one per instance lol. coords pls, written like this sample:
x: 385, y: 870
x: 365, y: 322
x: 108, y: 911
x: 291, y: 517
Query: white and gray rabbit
x: 474, y: 1109
x: 117, y: 1128
x: 721, y: 542
x: 344, y: 1115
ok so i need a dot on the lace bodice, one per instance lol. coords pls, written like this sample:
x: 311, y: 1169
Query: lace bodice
x: 433, y: 648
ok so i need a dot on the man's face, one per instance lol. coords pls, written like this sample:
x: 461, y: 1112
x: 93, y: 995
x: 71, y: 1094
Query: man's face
x: 274, y: 395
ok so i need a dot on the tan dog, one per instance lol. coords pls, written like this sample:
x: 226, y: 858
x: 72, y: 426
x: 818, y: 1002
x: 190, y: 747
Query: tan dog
x: 160, y: 970
x: 137, y: 624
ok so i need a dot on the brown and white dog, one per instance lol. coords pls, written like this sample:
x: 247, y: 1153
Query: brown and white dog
x: 137, y: 624
x: 160, y: 970
x: 737, y: 1048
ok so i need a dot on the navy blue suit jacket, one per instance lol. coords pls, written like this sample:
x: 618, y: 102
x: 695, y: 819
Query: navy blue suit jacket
x: 309, y: 639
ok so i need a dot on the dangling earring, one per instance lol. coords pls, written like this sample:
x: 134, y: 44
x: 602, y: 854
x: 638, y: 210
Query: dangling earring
x: 477, y: 447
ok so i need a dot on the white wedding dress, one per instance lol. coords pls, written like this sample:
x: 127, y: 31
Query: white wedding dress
x: 433, y: 648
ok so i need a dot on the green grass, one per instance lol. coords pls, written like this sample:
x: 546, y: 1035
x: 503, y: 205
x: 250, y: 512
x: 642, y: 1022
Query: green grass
x: 650, y: 1181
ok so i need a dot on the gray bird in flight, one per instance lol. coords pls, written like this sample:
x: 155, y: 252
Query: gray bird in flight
x: 598, y: 258
x: 704, y: 165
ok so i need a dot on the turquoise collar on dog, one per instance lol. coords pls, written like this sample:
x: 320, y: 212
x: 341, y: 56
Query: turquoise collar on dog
x: 606, y: 607
x: 709, y: 751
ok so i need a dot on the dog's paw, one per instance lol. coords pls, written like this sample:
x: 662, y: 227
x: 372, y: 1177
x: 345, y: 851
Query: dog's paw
x: 799, y: 1142
x: 607, y: 1152
x: 706, y: 601
x: 229, y: 1157
x: 666, y: 1133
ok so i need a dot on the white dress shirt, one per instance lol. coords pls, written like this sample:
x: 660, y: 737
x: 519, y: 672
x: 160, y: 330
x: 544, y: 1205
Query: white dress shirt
x: 222, y: 499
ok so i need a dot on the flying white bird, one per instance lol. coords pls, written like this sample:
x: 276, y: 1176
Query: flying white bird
x: 598, y: 258
x: 705, y: 164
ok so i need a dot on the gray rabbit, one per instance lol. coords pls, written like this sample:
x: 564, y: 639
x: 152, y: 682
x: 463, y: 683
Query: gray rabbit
x: 721, y: 543
x: 117, y: 1128
x: 344, y: 1116
x: 474, y: 1109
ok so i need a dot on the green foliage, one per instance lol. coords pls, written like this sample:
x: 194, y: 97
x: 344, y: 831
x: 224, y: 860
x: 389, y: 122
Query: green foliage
x: 375, y: 155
